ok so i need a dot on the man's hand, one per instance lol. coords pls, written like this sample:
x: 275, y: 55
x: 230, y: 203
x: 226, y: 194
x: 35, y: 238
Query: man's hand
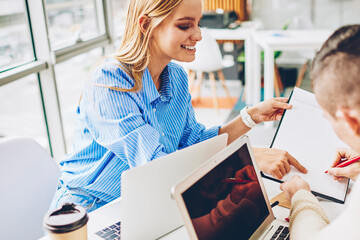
x: 276, y: 162
x: 351, y: 171
x: 294, y: 185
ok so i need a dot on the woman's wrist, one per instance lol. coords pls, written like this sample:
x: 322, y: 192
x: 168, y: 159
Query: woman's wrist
x: 252, y: 111
x: 247, y: 118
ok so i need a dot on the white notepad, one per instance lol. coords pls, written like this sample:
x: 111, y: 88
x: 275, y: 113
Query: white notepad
x: 308, y: 136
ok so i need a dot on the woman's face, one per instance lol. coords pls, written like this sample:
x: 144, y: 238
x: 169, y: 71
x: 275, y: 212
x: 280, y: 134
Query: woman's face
x: 176, y: 36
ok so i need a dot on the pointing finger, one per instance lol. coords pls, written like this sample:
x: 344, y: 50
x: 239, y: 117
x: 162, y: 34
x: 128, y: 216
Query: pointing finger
x: 296, y: 164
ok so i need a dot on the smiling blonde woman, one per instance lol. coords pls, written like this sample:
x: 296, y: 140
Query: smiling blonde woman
x: 136, y: 106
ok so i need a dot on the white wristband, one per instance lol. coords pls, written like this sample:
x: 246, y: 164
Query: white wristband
x: 246, y: 118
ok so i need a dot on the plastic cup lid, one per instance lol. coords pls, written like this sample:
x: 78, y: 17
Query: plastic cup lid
x: 67, y: 218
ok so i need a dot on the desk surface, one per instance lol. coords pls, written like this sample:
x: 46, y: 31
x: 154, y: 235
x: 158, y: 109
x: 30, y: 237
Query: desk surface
x: 101, y: 217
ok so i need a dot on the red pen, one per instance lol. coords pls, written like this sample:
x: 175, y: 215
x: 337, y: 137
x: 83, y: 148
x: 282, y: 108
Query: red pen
x: 235, y: 180
x: 347, y: 163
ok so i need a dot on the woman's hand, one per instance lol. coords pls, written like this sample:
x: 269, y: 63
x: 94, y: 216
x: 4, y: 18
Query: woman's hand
x: 295, y: 184
x: 276, y: 162
x: 269, y: 110
x: 351, y: 171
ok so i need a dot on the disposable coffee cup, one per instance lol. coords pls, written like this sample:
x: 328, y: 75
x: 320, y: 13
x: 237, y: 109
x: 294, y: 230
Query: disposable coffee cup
x: 67, y: 223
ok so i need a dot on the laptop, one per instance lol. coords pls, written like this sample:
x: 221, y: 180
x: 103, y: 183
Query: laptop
x: 147, y: 209
x: 226, y: 199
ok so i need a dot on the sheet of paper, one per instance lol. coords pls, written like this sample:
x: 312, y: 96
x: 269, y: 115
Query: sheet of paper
x: 308, y: 136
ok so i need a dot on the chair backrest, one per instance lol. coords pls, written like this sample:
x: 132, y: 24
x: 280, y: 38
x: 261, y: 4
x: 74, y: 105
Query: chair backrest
x: 28, y: 180
x: 208, y: 56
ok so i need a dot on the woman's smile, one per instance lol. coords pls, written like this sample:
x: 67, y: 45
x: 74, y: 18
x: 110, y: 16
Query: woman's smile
x: 189, y: 48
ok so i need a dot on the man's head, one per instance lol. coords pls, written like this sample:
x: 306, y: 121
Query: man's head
x: 335, y: 74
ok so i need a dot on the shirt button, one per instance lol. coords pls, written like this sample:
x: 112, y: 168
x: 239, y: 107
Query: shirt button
x: 154, y: 109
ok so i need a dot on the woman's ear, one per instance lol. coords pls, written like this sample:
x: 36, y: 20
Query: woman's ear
x: 143, y: 23
x: 351, y: 117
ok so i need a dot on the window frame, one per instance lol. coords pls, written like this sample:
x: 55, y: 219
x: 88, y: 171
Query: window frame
x: 45, y: 60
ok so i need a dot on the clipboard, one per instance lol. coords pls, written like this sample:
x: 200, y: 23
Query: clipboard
x: 283, y: 202
x: 304, y: 133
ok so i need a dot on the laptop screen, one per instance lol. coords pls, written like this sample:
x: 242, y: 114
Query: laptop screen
x: 227, y: 202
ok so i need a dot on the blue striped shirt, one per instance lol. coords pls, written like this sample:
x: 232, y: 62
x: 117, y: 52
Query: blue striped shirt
x: 119, y: 130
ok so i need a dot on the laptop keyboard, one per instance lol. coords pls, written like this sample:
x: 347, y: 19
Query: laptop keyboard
x: 111, y: 232
x: 282, y: 233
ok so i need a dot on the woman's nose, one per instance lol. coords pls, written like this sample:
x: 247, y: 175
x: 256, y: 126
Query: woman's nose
x: 196, y: 36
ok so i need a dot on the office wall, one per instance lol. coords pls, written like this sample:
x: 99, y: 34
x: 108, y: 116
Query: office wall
x: 328, y: 14
x: 334, y: 13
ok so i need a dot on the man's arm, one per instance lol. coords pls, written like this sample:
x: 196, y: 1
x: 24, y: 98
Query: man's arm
x: 307, y: 217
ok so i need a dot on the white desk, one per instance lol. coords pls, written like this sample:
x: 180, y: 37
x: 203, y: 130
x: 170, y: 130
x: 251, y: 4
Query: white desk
x: 270, y: 41
x: 241, y: 33
x: 100, y: 218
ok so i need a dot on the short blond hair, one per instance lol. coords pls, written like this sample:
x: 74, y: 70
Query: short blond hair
x: 134, y: 50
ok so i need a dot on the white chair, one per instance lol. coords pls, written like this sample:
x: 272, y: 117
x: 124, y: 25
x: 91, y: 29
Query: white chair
x: 208, y: 59
x: 28, y: 181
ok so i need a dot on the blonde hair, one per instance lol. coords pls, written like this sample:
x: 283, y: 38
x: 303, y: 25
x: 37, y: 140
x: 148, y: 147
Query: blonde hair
x: 134, y: 50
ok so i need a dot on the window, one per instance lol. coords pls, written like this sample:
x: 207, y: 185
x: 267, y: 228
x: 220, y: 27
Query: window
x: 15, y: 39
x: 54, y: 43
x: 119, y: 8
x: 74, y: 21
x: 22, y: 111
x: 71, y: 77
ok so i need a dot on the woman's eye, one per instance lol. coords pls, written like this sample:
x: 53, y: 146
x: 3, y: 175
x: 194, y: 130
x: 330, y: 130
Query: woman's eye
x: 183, y: 27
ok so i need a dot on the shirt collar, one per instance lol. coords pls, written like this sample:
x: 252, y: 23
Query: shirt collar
x: 150, y: 89
x: 165, y: 90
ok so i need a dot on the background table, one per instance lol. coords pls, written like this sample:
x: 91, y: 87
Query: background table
x: 271, y: 41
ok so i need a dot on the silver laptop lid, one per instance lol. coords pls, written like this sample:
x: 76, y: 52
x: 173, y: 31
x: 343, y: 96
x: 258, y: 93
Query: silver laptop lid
x: 147, y: 210
x: 226, y: 197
